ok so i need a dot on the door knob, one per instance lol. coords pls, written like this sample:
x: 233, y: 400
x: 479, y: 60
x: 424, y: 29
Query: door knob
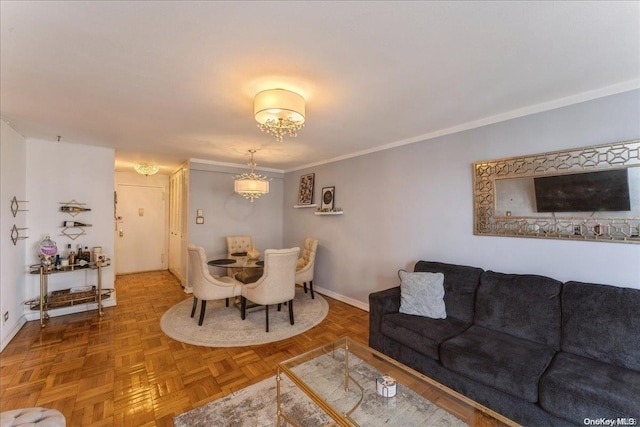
x: 120, y: 233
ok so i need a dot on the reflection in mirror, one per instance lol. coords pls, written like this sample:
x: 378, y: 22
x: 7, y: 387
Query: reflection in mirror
x: 506, y: 202
x: 517, y: 197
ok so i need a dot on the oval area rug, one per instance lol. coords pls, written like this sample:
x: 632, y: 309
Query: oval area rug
x: 223, y: 327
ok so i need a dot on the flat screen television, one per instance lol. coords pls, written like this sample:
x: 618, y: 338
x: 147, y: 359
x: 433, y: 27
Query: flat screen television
x: 583, y: 192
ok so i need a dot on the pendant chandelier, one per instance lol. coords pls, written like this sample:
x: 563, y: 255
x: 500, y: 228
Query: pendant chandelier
x: 279, y: 112
x: 249, y: 185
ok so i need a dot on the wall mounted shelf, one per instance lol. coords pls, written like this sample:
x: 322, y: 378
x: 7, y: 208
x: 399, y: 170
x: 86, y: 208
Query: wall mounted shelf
x: 74, y: 229
x: 73, y: 207
x: 74, y: 232
x: 15, y: 234
x: 15, y: 230
x: 15, y: 206
x: 330, y: 213
x: 304, y: 206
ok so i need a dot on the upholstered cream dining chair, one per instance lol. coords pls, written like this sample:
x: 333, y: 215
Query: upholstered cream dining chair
x: 304, y: 266
x: 238, y: 244
x: 276, y: 286
x: 205, y: 286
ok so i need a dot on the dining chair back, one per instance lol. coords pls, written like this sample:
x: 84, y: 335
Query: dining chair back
x: 237, y: 244
x: 306, y: 263
x: 205, y: 286
x: 277, y: 284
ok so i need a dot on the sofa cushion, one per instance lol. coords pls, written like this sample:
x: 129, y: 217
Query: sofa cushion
x: 422, y: 294
x: 576, y: 388
x: 602, y: 322
x: 460, y: 284
x: 421, y: 334
x: 522, y: 305
x: 510, y: 364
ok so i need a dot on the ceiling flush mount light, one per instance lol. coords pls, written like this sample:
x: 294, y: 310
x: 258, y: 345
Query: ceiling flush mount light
x: 146, y: 169
x: 279, y: 112
x: 249, y: 185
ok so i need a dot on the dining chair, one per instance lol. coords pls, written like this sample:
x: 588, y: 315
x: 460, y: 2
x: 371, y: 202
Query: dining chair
x: 276, y: 286
x: 205, y: 286
x: 238, y: 245
x: 305, y: 265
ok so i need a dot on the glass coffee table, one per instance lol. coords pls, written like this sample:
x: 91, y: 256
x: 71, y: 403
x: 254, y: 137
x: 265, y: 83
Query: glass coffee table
x: 350, y: 383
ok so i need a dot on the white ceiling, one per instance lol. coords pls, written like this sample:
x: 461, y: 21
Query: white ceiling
x: 167, y: 81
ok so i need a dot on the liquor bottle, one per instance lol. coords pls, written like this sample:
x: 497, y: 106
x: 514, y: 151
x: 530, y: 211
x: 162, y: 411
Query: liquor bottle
x: 86, y: 255
x: 72, y: 257
x: 74, y: 224
x: 67, y: 208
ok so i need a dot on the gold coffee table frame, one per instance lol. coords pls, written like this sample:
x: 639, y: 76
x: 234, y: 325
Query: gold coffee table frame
x: 451, y: 401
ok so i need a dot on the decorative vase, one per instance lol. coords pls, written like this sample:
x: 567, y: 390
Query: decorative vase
x: 253, y: 253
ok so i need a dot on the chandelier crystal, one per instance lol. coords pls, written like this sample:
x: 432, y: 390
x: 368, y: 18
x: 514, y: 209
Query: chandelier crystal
x: 146, y: 169
x: 250, y: 185
x: 279, y: 112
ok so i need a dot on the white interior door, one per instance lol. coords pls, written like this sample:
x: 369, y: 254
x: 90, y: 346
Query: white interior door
x: 141, y: 228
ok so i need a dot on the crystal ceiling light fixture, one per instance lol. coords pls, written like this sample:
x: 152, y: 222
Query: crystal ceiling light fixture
x: 249, y: 185
x: 146, y: 169
x: 279, y: 112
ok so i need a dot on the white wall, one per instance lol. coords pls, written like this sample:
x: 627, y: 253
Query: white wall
x: 61, y: 172
x: 229, y: 214
x: 13, y: 166
x: 415, y: 202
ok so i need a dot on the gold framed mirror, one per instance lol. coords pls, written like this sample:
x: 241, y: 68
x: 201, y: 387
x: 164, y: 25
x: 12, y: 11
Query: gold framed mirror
x: 509, y: 199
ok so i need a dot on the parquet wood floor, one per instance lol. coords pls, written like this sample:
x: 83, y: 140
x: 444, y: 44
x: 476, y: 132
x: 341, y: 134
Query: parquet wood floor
x: 122, y: 370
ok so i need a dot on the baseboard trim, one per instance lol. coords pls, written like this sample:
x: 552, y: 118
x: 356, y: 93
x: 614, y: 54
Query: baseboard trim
x: 340, y: 297
x: 13, y: 332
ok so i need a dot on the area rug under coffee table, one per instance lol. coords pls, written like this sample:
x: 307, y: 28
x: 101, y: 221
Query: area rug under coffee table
x: 255, y: 406
x: 223, y: 327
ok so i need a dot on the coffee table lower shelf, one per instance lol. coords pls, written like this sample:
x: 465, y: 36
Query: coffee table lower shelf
x: 340, y: 378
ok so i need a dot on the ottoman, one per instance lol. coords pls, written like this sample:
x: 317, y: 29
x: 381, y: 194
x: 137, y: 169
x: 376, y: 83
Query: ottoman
x: 36, y: 417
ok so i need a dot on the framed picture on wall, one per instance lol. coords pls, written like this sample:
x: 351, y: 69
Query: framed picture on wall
x: 305, y: 193
x: 328, y: 198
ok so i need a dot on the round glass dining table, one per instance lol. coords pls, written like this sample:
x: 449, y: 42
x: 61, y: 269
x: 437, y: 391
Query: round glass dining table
x: 249, y: 270
x: 235, y: 260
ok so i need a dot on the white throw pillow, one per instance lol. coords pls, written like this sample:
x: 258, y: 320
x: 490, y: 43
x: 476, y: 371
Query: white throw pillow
x: 422, y: 294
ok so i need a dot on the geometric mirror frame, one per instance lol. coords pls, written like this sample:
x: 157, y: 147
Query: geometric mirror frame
x: 505, y: 197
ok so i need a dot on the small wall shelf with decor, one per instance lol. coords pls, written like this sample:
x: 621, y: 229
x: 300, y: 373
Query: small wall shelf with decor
x: 304, y: 206
x: 329, y: 213
x: 73, y: 229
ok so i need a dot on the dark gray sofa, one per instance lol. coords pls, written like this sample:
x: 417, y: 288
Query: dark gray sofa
x: 538, y: 351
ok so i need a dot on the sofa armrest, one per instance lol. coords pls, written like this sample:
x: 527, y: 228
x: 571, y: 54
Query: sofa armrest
x: 381, y: 303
